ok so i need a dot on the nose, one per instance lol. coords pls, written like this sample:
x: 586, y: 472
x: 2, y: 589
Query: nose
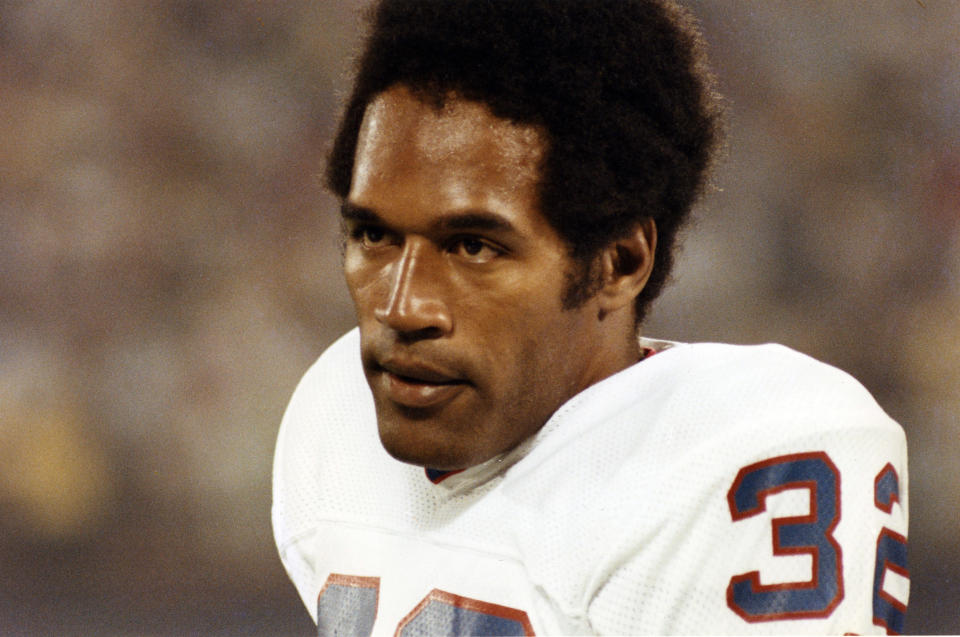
x: 414, y: 306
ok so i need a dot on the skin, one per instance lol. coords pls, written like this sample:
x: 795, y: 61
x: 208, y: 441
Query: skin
x: 458, y: 280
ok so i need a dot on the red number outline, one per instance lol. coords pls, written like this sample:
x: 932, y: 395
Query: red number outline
x: 777, y: 523
x: 352, y: 581
x: 468, y: 603
x: 886, y: 507
x: 890, y: 566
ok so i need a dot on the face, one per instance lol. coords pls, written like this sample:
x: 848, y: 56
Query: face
x: 458, y: 283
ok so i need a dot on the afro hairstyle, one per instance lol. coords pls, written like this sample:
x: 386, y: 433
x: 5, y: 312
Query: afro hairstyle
x: 619, y: 89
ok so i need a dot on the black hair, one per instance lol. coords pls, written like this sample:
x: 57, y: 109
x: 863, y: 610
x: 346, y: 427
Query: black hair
x: 619, y: 88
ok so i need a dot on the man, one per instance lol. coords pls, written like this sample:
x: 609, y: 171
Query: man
x: 494, y: 451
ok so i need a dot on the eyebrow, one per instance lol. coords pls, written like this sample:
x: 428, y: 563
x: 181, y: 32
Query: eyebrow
x: 462, y: 220
x: 350, y: 212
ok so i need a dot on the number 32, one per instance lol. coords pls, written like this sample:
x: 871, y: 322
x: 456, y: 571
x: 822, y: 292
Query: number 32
x: 812, y: 534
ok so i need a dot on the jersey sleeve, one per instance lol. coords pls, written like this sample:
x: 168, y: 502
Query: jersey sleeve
x: 328, y: 401
x: 794, y: 520
x: 294, y: 484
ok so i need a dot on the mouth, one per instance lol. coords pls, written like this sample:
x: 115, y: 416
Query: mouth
x: 418, y: 386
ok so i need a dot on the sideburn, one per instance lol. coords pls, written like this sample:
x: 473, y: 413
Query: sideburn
x: 582, y: 282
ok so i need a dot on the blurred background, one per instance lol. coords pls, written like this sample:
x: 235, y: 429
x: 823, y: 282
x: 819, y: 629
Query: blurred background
x: 169, y: 268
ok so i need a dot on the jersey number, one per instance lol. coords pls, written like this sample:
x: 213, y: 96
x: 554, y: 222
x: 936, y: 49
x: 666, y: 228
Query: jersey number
x: 811, y: 534
x: 347, y: 605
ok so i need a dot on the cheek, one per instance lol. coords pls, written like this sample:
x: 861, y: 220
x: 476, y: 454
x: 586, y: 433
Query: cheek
x: 520, y: 322
x: 529, y: 385
x: 529, y: 347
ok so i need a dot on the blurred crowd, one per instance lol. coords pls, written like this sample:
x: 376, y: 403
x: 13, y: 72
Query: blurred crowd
x: 169, y: 266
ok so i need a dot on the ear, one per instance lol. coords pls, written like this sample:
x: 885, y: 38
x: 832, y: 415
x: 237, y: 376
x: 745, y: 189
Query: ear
x: 626, y: 265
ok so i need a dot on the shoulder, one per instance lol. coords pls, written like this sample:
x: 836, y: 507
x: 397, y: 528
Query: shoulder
x: 698, y: 411
x: 693, y: 396
x: 332, y: 393
x: 328, y: 431
x: 338, y: 368
x: 328, y: 421
x: 780, y: 372
x: 733, y: 405
x: 643, y: 464
x: 333, y: 388
x: 714, y: 389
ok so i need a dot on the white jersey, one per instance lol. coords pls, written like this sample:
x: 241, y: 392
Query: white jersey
x: 707, y: 489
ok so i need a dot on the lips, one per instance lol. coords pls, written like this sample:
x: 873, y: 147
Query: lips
x: 418, y: 385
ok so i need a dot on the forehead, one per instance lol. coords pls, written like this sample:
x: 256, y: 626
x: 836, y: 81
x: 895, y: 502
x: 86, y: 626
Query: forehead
x: 458, y: 153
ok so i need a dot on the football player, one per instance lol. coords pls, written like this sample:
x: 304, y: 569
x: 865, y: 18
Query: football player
x: 495, y: 450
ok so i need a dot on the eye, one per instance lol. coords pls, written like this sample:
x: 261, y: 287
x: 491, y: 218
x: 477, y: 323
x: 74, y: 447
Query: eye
x: 369, y: 236
x: 475, y: 250
x: 373, y: 236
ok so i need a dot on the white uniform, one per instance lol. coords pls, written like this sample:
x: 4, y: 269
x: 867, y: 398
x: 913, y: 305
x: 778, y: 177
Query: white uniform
x: 707, y: 489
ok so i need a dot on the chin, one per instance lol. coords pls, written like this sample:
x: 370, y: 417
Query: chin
x: 410, y: 441
x: 440, y: 459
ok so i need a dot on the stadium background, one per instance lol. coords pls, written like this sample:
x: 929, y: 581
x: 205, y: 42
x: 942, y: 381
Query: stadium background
x: 169, y: 267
